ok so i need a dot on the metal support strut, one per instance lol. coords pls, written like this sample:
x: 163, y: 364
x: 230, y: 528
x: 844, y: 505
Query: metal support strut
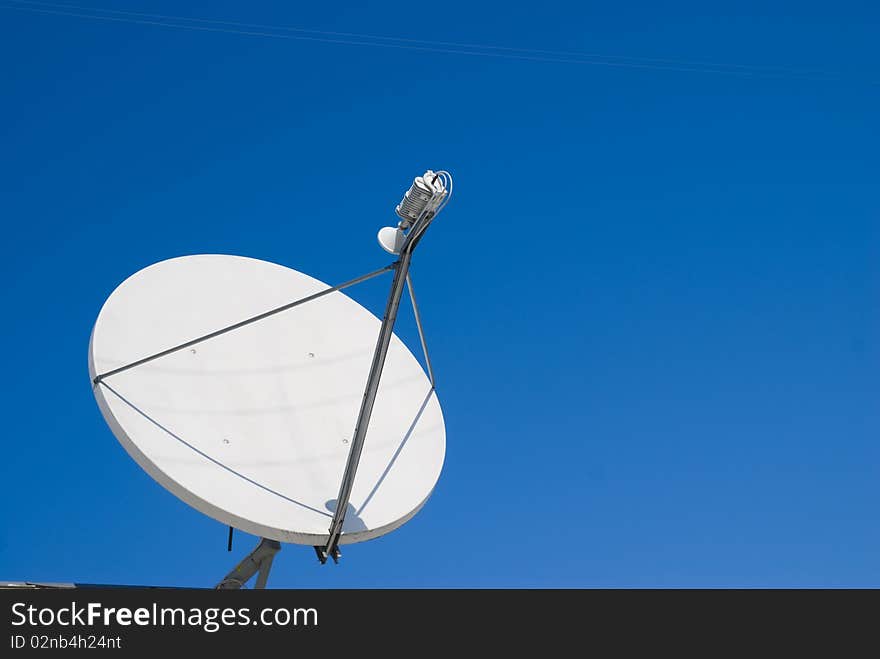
x: 432, y: 205
x: 290, y: 305
x: 363, y: 421
x: 258, y: 561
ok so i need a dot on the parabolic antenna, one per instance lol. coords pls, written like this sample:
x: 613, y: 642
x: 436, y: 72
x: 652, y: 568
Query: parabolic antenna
x: 261, y: 396
x: 253, y: 427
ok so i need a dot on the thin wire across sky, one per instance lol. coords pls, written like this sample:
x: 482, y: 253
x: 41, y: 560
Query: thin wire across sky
x: 266, y: 31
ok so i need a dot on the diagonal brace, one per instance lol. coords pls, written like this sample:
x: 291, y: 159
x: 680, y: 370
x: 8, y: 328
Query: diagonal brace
x: 243, y: 323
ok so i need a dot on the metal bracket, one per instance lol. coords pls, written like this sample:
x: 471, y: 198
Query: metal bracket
x: 322, y: 554
x: 258, y: 562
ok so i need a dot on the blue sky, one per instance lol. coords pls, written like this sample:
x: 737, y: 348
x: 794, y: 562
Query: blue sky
x: 652, y: 305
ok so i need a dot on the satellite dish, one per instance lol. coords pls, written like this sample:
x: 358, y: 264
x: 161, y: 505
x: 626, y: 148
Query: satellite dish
x: 253, y: 427
x: 272, y: 402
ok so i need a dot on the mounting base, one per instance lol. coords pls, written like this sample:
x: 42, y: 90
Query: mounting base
x: 258, y: 561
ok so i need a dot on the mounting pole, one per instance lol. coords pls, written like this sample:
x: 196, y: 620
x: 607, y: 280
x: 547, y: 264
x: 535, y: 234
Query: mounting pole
x: 428, y: 200
x: 258, y: 561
